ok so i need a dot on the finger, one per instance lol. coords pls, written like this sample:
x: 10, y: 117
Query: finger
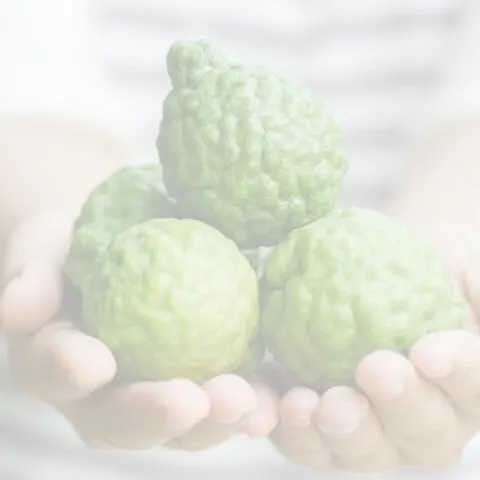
x: 416, y: 417
x: 352, y: 432
x: 139, y: 416
x: 46, y: 236
x: 60, y: 364
x: 31, y: 275
x: 451, y: 360
x: 32, y: 299
x: 470, y: 275
x: 296, y: 437
x: 263, y: 420
x: 231, y: 399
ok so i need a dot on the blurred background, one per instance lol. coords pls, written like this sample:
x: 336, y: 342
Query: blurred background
x: 388, y: 70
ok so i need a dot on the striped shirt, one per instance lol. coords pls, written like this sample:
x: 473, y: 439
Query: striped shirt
x: 374, y: 62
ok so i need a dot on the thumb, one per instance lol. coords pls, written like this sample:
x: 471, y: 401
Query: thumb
x: 43, y: 236
x: 32, y: 273
x: 470, y: 278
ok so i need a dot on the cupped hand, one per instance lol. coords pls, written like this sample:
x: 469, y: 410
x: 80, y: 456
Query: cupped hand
x: 418, y: 410
x: 53, y: 361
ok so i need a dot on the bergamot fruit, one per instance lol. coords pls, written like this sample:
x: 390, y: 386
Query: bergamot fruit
x: 348, y: 284
x: 131, y: 195
x: 245, y: 149
x: 175, y: 298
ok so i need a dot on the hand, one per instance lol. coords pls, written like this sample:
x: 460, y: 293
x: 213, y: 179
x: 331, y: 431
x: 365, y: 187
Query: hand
x: 56, y: 363
x: 417, y: 411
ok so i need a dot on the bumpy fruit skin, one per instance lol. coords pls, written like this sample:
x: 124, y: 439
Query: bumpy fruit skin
x: 131, y: 195
x: 244, y: 149
x: 348, y: 284
x: 175, y: 298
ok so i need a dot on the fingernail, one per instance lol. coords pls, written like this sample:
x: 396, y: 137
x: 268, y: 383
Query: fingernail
x: 300, y: 421
x: 347, y: 418
x: 230, y: 418
x: 439, y: 368
x: 436, y: 362
x: 388, y: 388
x: 259, y: 426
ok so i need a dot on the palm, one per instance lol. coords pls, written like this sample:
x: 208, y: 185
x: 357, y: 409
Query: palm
x: 53, y: 361
x: 418, y: 411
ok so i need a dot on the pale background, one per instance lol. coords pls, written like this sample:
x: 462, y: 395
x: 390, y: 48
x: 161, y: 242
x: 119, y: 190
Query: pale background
x: 388, y: 69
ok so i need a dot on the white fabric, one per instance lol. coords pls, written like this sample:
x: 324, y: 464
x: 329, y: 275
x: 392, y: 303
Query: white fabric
x: 50, y: 65
x: 382, y: 66
x: 457, y: 95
